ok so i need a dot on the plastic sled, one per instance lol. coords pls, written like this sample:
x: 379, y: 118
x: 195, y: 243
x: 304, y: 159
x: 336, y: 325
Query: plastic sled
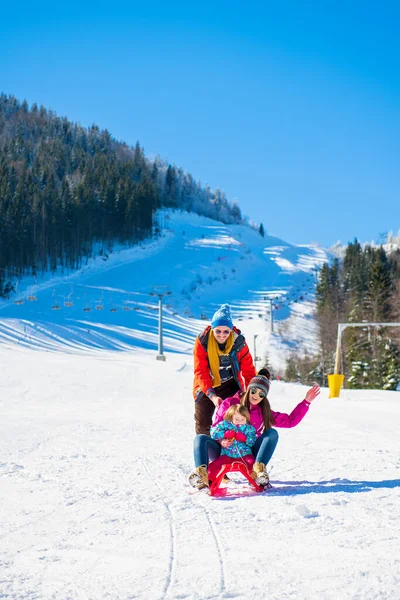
x: 216, y: 490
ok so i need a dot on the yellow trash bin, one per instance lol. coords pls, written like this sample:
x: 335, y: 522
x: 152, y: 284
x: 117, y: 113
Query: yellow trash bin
x: 335, y: 382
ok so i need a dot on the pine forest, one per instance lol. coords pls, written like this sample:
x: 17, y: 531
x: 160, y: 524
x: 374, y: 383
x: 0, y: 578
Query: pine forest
x: 67, y: 192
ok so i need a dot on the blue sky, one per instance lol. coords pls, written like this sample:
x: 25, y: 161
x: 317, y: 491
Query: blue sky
x: 292, y: 108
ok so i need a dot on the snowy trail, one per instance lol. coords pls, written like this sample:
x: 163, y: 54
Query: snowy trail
x: 107, y: 304
x: 94, y: 500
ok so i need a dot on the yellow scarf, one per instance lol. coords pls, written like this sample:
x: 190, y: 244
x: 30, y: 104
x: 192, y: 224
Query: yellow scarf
x: 214, y: 352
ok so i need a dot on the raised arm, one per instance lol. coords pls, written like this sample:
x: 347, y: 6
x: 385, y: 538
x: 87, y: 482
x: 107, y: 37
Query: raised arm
x: 294, y: 418
x: 312, y: 393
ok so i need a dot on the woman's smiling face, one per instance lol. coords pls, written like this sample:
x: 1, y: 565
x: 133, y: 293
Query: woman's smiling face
x: 256, y: 396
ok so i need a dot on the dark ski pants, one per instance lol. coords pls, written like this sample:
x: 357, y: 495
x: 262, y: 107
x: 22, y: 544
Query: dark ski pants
x: 203, y: 414
x: 206, y: 449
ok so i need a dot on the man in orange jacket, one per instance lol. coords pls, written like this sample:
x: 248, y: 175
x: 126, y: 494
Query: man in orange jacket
x: 222, y: 366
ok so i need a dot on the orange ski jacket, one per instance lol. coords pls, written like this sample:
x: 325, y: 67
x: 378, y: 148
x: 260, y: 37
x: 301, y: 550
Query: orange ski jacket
x: 242, y: 364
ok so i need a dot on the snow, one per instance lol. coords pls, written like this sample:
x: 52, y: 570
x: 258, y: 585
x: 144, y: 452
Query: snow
x: 96, y: 449
x: 96, y: 437
x: 203, y: 264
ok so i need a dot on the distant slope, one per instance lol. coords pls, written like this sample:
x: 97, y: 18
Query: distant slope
x: 203, y: 263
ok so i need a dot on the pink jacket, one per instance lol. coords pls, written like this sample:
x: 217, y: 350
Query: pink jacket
x: 256, y: 418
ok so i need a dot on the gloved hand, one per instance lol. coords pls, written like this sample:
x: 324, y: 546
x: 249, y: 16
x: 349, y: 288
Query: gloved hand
x: 229, y: 434
x: 240, y: 436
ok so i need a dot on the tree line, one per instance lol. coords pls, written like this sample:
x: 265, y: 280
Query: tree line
x: 362, y: 287
x: 66, y: 191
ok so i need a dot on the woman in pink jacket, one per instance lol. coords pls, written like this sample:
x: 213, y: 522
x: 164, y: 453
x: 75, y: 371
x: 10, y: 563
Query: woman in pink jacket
x: 263, y: 418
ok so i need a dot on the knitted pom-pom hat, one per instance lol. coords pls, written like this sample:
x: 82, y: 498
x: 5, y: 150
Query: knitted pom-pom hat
x: 261, y: 383
x: 222, y: 317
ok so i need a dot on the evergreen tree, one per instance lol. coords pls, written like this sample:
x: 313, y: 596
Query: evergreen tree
x: 64, y: 187
x: 361, y: 288
x: 387, y: 363
x: 291, y: 372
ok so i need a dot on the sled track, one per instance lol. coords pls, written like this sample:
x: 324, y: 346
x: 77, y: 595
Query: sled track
x: 217, y: 540
x: 222, y: 586
x: 172, y: 561
x: 172, y: 522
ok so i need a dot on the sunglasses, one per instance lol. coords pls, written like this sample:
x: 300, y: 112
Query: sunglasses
x: 222, y: 331
x: 254, y: 391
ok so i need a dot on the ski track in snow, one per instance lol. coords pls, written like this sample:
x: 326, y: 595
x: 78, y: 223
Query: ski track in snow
x: 96, y: 439
x: 172, y: 529
x: 95, y: 502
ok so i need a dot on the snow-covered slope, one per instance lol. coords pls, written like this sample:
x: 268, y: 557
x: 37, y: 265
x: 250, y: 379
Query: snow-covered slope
x: 96, y: 438
x: 94, y: 501
x: 203, y: 263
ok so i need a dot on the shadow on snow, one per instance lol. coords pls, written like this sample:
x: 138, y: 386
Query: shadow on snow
x: 295, y: 488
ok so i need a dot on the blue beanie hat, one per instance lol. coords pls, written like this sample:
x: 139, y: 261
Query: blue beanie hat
x: 222, y: 317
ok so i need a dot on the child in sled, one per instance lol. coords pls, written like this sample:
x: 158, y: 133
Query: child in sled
x: 236, y: 436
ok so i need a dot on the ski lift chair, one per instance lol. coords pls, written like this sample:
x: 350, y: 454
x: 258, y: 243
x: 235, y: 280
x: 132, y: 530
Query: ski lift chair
x: 56, y: 305
x: 19, y: 300
x: 68, y: 302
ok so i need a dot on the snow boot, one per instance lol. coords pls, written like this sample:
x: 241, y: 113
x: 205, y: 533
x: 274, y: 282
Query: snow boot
x: 199, y: 479
x: 260, y: 474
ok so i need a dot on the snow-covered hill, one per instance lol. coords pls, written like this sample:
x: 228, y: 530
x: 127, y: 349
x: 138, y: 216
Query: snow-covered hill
x: 96, y: 437
x: 203, y: 263
x: 95, y: 450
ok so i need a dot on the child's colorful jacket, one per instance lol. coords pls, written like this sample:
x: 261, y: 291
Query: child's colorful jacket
x: 244, y: 437
x: 256, y: 417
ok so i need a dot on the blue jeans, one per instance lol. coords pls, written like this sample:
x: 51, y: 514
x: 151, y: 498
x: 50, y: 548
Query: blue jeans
x: 206, y: 449
x: 265, y: 446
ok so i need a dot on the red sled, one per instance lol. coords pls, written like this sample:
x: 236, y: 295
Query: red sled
x: 216, y: 490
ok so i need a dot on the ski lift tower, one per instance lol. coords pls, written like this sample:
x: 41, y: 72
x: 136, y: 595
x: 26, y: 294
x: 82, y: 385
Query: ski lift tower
x: 271, y: 316
x: 160, y: 292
